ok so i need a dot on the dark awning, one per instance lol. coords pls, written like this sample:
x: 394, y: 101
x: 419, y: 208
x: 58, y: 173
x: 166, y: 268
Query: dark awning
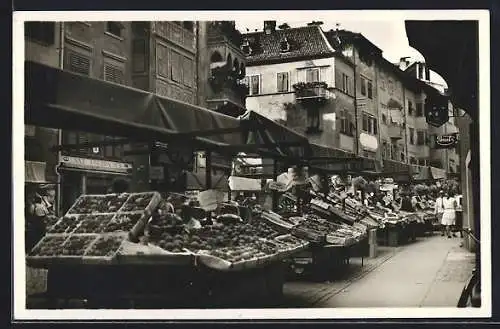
x: 396, y: 170
x: 436, y: 40
x: 61, y: 99
x: 289, y: 143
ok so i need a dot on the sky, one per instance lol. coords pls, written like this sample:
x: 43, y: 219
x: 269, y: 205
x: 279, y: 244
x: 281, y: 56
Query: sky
x: 389, y: 35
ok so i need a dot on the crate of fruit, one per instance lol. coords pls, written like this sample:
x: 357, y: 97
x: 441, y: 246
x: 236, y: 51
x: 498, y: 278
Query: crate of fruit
x: 292, y: 243
x: 65, y: 225
x: 74, y: 248
x: 146, y: 201
x: 231, y: 258
x: 309, y: 235
x: 93, y: 223
x: 276, y: 222
x: 46, y: 251
x: 101, y: 203
x: 104, y: 249
x: 129, y: 222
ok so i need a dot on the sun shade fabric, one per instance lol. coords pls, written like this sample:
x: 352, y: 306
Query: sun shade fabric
x: 34, y: 172
x: 271, y: 132
x: 61, y: 99
x: 438, y: 173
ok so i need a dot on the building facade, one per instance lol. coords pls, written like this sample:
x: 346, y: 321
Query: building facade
x: 166, y: 58
x: 297, y: 79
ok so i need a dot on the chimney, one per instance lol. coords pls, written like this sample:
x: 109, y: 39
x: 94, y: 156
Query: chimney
x: 269, y: 27
x: 403, y: 63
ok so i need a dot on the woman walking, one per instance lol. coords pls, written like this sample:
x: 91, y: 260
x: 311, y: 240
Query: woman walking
x: 449, y: 216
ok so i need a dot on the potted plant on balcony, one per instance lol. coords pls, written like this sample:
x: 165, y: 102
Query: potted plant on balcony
x: 309, y: 89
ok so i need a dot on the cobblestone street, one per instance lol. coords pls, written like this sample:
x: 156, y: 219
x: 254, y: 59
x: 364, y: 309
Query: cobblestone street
x: 429, y: 272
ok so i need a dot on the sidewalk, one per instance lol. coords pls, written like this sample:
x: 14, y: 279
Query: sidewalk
x: 427, y: 273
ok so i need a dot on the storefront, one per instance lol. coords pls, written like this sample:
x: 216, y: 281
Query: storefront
x: 88, y: 176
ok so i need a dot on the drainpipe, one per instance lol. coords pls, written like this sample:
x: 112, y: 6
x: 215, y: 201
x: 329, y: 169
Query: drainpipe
x: 59, y: 131
x: 356, y: 101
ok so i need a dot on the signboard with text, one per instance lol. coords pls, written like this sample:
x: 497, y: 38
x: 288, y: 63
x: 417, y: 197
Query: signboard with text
x: 446, y: 141
x: 95, y: 165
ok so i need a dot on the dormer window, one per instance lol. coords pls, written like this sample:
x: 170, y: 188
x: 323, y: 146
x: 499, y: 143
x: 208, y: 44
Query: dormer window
x: 245, y: 47
x: 284, y: 46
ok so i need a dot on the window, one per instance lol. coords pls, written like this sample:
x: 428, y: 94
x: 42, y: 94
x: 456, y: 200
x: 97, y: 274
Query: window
x: 394, y: 151
x: 282, y: 82
x: 42, y: 32
x: 114, y: 74
x: 312, y: 75
x: 422, y: 162
x: 419, y: 110
x: 346, y: 125
x: 175, y: 66
x: 253, y: 83
x: 345, y: 84
x: 384, y: 118
x: 421, y: 137
x: 382, y: 83
x: 403, y: 157
x: 77, y: 63
x: 369, y: 124
x: 188, y: 78
x: 410, y: 108
x: 363, y: 86
x: 370, y: 90
x: 384, y: 149
x: 413, y: 160
x: 114, y: 28
x: 412, y: 136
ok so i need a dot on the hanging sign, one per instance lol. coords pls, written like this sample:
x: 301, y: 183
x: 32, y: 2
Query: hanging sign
x: 95, y: 165
x: 446, y: 141
x: 368, y: 142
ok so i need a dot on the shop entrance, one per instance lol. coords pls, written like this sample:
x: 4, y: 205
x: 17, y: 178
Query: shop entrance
x: 71, y: 189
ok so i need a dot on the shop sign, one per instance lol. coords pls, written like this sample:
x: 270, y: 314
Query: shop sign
x: 446, y: 141
x: 368, y: 142
x: 95, y: 165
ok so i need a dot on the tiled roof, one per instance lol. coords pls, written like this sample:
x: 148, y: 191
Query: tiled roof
x: 307, y: 41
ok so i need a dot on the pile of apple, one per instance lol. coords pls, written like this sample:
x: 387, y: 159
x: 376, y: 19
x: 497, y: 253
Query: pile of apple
x: 49, y: 246
x: 90, y: 204
x: 105, y: 246
x: 93, y: 223
x: 137, y: 202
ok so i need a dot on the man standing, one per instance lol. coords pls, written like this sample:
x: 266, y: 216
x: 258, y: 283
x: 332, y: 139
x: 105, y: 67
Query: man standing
x: 439, y: 209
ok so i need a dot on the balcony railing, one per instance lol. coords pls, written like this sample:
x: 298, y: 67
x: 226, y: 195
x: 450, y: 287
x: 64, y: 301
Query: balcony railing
x: 395, y: 131
x: 310, y: 90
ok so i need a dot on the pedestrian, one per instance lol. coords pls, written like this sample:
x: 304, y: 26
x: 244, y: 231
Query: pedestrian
x: 449, y: 215
x: 459, y: 216
x: 406, y: 204
x: 439, y: 210
x: 41, y: 206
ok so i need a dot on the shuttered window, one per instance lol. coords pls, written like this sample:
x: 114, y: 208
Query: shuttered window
x: 114, y: 74
x: 282, y: 82
x: 175, y: 67
x: 188, y: 77
x: 77, y: 63
x: 312, y: 75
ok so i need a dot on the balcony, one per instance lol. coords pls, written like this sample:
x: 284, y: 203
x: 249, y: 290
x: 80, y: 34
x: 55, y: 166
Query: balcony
x: 311, y: 90
x: 395, y: 131
x: 227, y: 89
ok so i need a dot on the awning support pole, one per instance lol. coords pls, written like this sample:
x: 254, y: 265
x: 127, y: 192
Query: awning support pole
x: 208, y: 170
x: 275, y: 177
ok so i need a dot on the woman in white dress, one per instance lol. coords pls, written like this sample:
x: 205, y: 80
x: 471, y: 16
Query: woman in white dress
x: 449, y: 216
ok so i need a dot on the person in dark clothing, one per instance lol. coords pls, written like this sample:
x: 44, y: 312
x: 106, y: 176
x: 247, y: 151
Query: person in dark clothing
x: 406, y: 204
x: 120, y: 185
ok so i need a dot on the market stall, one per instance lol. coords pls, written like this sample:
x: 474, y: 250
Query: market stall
x: 110, y: 243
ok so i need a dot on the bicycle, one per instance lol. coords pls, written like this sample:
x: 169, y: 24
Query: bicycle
x: 471, y: 293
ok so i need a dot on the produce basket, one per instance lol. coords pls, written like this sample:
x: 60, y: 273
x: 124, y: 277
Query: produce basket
x: 101, y: 203
x: 133, y: 222
x: 75, y: 247
x: 220, y: 264
x: 46, y: 251
x: 276, y: 222
x: 65, y: 225
x: 93, y: 223
x: 146, y: 201
x: 104, y: 249
x: 309, y: 235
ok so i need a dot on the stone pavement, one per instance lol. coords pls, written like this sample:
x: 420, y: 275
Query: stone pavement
x: 429, y: 272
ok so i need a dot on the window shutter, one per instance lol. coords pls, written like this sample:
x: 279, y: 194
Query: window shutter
x: 188, y: 72
x: 113, y: 74
x: 78, y: 63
